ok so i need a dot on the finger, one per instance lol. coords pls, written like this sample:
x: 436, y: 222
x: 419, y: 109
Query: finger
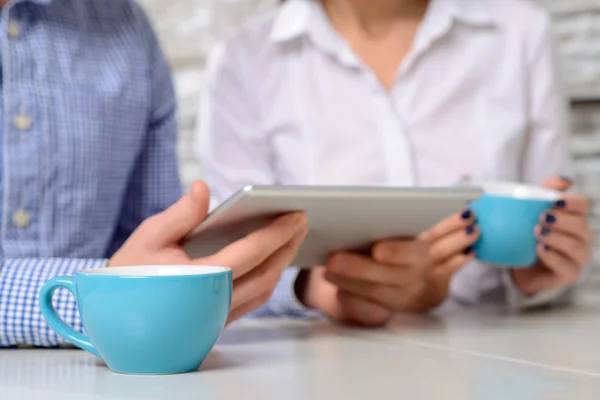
x: 401, y: 252
x: 244, y: 309
x: 360, y: 311
x: 388, y: 297
x: 177, y: 221
x: 265, y: 276
x: 577, y: 251
x: 561, y: 183
x: 245, y: 254
x: 575, y: 204
x: 454, y: 222
x: 564, y: 271
x: 453, y: 243
x: 572, y: 224
x: 357, y: 267
x: 453, y: 264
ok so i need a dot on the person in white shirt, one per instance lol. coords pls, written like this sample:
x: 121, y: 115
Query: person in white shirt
x: 399, y: 93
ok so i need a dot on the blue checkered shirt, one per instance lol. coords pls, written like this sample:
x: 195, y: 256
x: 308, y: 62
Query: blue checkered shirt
x: 88, y: 141
x: 87, y: 151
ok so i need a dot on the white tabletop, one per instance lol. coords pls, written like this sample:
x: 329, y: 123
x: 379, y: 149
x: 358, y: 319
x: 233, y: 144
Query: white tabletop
x: 464, y: 355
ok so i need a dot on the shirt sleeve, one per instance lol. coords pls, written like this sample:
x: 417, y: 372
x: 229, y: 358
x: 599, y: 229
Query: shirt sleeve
x: 548, y: 152
x: 21, y: 321
x: 154, y: 184
x: 517, y: 301
x: 235, y: 152
x: 230, y: 143
x: 284, y: 302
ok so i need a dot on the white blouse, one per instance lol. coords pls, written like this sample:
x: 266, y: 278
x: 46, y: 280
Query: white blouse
x: 288, y: 102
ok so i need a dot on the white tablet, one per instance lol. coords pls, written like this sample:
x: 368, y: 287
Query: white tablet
x: 339, y: 218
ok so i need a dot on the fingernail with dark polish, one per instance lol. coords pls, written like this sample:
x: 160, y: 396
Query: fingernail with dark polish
x: 468, y: 250
x: 550, y: 218
x: 560, y: 204
x: 470, y: 229
x: 545, y: 232
x: 466, y: 214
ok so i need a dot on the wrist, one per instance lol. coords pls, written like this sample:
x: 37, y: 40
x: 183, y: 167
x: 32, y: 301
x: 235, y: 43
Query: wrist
x: 525, y: 279
x: 301, y: 287
x: 114, y: 260
x: 432, y: 293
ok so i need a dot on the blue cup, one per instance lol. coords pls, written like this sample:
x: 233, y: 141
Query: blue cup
x: 147, y: 319
x: 507, y: 215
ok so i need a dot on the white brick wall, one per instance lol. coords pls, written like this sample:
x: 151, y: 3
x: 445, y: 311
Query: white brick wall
x: 577, y: 25
x: 188, y: 28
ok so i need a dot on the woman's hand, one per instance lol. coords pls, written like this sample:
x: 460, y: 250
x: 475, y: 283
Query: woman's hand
x: 399, y: 275
x: 565, y: 243
x: 451, y: 247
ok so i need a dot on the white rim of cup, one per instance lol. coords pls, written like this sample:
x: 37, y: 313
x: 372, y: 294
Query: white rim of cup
x: 158, y: 270
x: 517, y: 190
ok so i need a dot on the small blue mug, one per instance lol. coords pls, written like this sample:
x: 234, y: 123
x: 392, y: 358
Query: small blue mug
x: 507, y: 215
x: 146, y: 319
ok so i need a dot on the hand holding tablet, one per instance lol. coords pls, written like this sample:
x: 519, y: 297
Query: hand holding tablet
x: 397, y: 275
x: 339, y: 218
x: 375, y: 251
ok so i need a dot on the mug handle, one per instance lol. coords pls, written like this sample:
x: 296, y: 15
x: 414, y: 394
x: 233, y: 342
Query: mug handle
x: 49, y: 313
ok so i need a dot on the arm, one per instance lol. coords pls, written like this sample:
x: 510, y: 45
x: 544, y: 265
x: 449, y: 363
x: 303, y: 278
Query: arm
x: 235, y: 151
x: 546, y: 153
x: 548, y: 150
x: 21, y: 321
x: 154, y: 184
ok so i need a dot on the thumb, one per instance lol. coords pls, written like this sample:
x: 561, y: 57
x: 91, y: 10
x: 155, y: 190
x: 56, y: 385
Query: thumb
x: 171, y: 225
x: 560, y: 183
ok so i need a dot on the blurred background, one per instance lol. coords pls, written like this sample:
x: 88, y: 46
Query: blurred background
x: 189, y: 28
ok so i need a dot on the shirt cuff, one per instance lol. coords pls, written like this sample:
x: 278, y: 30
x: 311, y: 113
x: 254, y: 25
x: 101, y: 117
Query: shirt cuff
x: 518, y: 301
x: 284, y: 301
x: 21, y: 320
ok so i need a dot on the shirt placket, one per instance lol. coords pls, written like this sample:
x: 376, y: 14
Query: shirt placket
x: 395, y: 144
x: 2, y: 135
x: 22, y: 142
x: 390, y: 108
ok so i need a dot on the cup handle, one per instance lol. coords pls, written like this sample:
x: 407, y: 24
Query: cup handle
x: 49, y: 313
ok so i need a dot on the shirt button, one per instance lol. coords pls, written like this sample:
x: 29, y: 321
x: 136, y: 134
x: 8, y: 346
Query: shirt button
x: 465, y: 179
x: 22, y: 122
x: 13, y: 30
x: 21, y: 219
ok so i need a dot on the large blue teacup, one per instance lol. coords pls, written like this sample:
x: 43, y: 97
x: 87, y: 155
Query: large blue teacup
x: 507, y: 215
x: 148, y: 319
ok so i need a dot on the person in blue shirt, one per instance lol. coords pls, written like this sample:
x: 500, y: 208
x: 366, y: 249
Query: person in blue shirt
x: 88, y: 171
